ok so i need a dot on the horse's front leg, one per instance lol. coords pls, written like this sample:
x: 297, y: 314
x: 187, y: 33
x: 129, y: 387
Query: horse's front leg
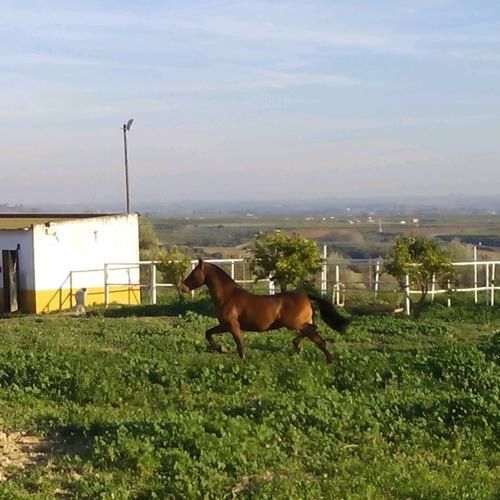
x: 209, y: 336
x: 236, y: 333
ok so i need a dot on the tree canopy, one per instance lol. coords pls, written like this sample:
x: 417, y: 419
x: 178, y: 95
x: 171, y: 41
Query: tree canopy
x: 173, y: 265
x: 423, y: 260
x: 287, y: 260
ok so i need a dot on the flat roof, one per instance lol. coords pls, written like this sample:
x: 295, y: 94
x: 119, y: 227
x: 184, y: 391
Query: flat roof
x: 27, y: 220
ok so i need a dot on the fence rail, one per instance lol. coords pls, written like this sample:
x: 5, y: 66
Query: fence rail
x: 336, y: 279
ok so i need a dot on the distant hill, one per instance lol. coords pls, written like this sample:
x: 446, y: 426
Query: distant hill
x: 334, y: 205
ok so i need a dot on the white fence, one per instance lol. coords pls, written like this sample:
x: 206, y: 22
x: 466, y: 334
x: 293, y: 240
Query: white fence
x: 154, y: 285
x: 335, y: 280
x: 486, y: 284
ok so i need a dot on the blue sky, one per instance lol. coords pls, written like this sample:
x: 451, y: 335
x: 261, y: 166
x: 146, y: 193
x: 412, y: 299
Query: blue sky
x: 248, y: 100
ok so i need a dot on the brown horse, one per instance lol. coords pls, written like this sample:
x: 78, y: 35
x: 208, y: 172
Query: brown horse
x: 239, y: 310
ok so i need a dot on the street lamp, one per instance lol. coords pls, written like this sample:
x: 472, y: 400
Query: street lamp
x: 126, y: 128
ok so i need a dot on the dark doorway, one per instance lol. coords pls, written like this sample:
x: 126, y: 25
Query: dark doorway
x: 10, y: 268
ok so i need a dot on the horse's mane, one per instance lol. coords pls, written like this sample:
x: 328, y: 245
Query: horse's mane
x: 221, y: 273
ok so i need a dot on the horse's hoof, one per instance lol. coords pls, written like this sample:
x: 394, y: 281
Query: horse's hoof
x: 216, y: 348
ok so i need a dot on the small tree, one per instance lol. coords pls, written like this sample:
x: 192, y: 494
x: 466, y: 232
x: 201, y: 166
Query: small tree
x: 173, y: 266
x: 287, y: 260
x: 460, y: 251
x: 422, y: 260
x: 148, y: 241
x: 148, y: 248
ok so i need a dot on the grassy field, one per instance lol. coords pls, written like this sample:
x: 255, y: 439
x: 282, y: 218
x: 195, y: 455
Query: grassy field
x: 129, y: 404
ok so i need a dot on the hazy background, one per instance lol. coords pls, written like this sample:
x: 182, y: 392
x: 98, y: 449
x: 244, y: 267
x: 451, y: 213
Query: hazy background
x: 261, y: 100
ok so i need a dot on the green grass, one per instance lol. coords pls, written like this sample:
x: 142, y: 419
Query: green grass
x: 139, y: 409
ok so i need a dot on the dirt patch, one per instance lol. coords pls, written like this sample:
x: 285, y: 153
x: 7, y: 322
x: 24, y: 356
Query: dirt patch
x: 19, y: 450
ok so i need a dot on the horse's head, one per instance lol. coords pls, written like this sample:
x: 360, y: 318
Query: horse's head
x: 195, y: 279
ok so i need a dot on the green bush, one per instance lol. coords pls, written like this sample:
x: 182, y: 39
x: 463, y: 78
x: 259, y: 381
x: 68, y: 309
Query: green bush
x: 288, y: 260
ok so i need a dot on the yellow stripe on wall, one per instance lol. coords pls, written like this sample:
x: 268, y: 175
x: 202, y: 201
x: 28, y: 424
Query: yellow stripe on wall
x: 58, y: 300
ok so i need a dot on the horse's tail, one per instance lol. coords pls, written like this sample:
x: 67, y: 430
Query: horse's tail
x: 330, y: 315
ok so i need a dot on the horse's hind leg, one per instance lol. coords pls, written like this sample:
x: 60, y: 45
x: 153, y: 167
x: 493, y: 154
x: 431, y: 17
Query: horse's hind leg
x: 209, y: 336
x: 310, y: 331
x: 297, y: 341
x: 236, y: 333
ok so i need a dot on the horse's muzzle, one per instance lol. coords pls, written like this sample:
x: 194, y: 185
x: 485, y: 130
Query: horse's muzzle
x: 185, y: 288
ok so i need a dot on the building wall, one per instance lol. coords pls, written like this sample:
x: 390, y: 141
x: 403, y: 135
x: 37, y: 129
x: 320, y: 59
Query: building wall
x: 9, y: 240
x: 69, y: 255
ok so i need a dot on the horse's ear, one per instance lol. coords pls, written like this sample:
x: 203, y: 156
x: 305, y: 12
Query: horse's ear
x: 200, y: 263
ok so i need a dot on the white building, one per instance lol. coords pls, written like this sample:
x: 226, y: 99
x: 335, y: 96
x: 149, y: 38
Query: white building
x: 46, y: 258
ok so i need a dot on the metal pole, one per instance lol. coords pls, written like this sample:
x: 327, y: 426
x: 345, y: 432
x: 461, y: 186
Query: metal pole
x: 232, y: 269
x: 449, y: 293
x: 126, y: 167
x: 433, y: 287
x: 377, y: 277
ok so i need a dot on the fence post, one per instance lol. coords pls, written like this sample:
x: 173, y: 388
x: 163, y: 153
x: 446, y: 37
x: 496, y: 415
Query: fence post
x: 433, y: 287
x: 337, y: 284
x: 271, y: 286
x: 152, y: 284
x: 492, y: 298
x: 407, y: 296
x: 232, y: 269
x: 370, y: 272
x: 106, y: 286
x: 449, y: 293
x: 377, y: 277
x: 475, y: 275
x: 193, y: 265
x: 71, y: 289
x: 487, y: 277
x: 323, y: 272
